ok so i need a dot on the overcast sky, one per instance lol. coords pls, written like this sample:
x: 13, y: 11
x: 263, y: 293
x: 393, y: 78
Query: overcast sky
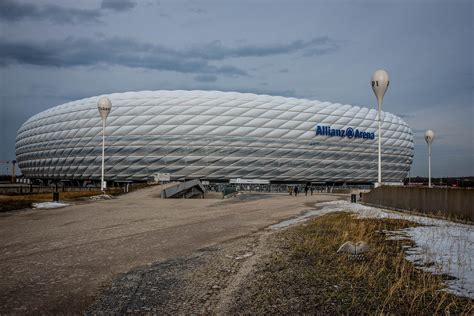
x: 52, y: 52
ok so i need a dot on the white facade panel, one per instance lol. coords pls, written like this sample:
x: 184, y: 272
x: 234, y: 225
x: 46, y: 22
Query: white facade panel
x: 213, y: 135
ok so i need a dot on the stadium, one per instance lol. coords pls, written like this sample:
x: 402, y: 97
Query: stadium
x: 216, y: 136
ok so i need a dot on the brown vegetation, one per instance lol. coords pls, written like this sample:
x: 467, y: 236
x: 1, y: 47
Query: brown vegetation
x: 17, y: 202
x: 21, y: 201
x: 306, y: 275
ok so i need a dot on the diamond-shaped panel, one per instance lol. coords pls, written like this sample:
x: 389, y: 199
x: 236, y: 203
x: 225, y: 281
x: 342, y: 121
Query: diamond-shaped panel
x: 211, y: 134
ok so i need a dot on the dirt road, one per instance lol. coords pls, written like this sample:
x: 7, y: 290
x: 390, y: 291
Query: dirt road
x: 56, y: 260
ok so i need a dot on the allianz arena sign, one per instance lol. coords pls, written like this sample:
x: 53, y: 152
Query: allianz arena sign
x: 348, y: 132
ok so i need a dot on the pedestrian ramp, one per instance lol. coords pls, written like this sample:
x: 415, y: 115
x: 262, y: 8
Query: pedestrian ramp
x: 184, y: 190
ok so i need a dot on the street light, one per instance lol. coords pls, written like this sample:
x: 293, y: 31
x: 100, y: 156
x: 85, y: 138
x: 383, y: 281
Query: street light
x: 104, y: 105
x: 380, y: 82
x: 429, y: 137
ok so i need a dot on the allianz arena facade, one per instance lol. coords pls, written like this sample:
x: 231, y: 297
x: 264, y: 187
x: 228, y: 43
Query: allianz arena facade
x: 213, y: 135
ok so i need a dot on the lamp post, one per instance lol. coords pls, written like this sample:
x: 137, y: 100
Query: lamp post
x: 380, y: 82
x: 429, y: 137
x: 104, y: 105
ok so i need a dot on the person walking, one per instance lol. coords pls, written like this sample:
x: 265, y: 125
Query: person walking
x: 312, y: 189
x: 296, y: 190
x: 306, y: 190
x: 290, y: 190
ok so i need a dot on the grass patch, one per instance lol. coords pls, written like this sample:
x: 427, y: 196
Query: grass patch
x: 305, y: 274
x: 16, y: 202
x: 20, y: 201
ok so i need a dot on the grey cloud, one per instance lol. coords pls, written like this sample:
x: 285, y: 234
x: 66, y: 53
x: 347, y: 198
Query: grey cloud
x: 197, y: 10
x: 320, y: 46
x: 205, y: 78
x: 118, y: 5
x: 14, y: 11
x: 405, y: 115
x: 132, y: 53
x: 290, y: 93
x: 216, y: 50
x: 114, y: 51
x: 284, y: 70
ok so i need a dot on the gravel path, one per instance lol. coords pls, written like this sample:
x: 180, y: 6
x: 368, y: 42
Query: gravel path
x: 202, y: 283
x: 56, y: 261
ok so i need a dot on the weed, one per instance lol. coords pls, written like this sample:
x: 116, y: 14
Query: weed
x: 312, y: 278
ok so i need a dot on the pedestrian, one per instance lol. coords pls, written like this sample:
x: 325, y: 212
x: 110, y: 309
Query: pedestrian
x: 306, y: 190
x: 312, y: 189
x: 296, y: 190
x: 290, y: 190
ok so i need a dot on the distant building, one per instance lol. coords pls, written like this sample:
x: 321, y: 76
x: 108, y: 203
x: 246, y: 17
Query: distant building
x: 213, y: 135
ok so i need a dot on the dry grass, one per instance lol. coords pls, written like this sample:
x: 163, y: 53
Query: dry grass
x: 306, y: 275
x: 16, y: 202
x: 22, y: 201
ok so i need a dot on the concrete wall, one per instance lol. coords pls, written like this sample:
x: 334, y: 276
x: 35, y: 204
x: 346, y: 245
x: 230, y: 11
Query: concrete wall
x: 450, y: 203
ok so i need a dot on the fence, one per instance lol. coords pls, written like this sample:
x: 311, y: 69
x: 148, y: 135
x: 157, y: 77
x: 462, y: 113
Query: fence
x: 282, y: 188
x: 448, y: 202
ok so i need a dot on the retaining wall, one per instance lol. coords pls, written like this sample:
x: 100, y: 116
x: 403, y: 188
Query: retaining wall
x: 456, y: 203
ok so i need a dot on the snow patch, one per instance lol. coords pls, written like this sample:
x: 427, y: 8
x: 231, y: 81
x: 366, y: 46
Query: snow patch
x: 48, y: 205
x: 101, y: 197
x: 442, y: 247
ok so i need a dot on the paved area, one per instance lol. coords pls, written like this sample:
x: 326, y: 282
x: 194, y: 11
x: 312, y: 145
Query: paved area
x: 57, y: 260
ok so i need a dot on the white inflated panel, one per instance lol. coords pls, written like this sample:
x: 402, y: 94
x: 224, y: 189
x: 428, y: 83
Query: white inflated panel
x: 212, y: 135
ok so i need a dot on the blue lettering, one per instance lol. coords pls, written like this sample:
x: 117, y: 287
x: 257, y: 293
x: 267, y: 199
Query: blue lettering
x: 349, y: 132
x: 319, y: 130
